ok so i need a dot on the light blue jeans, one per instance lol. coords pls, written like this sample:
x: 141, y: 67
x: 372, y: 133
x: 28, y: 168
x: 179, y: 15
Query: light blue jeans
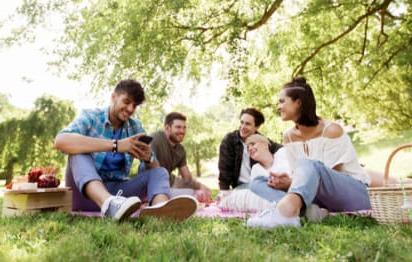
x: 81, y: 170
x: 318, y: 184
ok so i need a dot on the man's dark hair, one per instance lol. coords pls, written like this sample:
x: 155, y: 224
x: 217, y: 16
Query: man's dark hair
x: 172, y: 116
x: 132, y: 88
x: 298, y: 88
x: 257, y: 115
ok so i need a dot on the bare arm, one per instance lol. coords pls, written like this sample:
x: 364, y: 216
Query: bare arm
x: 202, y: 192
x: 73, y: 143
x: 334, y: 131
x: 187, y: 176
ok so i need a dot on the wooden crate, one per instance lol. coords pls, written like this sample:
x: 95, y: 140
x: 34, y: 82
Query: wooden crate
x: 23, y: 202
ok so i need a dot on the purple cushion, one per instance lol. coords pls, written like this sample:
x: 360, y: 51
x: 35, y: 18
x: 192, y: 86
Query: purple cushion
x: 79, y: 201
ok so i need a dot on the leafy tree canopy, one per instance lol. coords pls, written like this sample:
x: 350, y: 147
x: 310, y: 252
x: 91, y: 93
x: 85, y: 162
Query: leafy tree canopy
x: 356, y: 54
x: 28, y: 141
x: 8, y: 111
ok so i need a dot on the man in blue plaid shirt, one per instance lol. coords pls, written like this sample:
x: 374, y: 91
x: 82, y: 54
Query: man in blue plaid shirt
x: 102, y: 144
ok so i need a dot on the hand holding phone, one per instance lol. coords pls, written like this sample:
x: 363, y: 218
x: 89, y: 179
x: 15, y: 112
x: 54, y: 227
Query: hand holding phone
x: 145, y: 139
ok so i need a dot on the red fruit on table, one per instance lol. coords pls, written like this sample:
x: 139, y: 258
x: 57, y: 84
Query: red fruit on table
x: 46, y: 181
x: 34, y: 174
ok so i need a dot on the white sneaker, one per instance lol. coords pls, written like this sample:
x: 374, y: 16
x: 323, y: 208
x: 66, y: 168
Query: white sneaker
x: 271, y: 218
x: 316, y: 214
x: 178, y: 208
x: 119, y: 208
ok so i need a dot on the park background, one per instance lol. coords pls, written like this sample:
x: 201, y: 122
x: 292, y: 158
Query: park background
x: 208, y: 59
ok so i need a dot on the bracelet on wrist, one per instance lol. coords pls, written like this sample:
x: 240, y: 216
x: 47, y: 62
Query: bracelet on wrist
x: 114, y: 146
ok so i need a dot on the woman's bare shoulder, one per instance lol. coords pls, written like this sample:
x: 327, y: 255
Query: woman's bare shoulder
x: 333, y: 130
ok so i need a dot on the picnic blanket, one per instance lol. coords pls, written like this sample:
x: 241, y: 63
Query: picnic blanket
x: 213, y: 211
x: 209, y: 211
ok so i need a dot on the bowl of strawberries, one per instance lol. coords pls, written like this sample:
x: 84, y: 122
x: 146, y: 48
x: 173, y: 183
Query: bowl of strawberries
x: 45, y: 177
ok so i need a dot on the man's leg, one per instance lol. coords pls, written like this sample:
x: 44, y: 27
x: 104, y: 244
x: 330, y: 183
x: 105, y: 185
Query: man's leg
x: 151, y: 185
x: 158, y: 192
x: 90, y: 184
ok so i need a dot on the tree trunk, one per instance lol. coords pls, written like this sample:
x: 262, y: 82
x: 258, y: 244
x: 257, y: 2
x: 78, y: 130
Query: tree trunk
x: 197, y: 163
x: 9, y: 171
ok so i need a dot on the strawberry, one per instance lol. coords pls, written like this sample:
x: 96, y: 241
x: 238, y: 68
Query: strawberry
x: 48, y: 181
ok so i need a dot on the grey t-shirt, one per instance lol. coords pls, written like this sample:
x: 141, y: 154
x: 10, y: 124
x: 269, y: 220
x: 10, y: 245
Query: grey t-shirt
x: 169, y: 156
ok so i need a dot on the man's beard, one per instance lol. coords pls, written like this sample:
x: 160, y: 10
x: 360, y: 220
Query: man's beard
x: 173, y: 138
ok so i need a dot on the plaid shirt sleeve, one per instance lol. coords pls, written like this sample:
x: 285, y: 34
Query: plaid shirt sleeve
x: 83, y: 124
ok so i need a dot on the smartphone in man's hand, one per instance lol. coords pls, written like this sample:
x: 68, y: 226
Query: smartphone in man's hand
x: 145, y: 139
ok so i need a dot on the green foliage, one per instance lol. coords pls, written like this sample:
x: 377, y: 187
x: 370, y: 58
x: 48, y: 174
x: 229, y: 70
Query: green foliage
x: 200, y: 141
x: 50, y: 237
x: 205, y: 131
x: 361, y: 84
x: 356, y: 54
x: 7, y: 110
x: 28, y: 141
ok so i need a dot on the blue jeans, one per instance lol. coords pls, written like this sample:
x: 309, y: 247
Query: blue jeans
x: 81, y: 170
x: 318, y: 184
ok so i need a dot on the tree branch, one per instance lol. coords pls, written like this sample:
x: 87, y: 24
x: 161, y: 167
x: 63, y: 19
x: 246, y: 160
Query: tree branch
x: 214, y: 36
x: 387, y: 61
x: 382, y: 31
x: 225, y: 27
x: 300, y: 68
x: 207, y: 28
x: 365, y: 39
x: 265, y: 17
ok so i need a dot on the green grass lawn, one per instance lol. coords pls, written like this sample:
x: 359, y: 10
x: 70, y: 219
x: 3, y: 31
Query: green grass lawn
x: 55, y: 237
x: 62, y: 237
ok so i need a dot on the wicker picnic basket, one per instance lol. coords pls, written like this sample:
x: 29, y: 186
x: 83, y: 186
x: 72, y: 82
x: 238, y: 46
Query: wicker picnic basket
x: 387, y: 201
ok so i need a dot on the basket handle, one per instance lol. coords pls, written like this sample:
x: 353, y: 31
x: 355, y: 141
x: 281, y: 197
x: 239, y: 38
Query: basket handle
x: 389, y: 161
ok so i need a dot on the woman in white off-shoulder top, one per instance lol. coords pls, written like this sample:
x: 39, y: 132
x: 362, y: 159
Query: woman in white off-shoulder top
x: 325, y: 169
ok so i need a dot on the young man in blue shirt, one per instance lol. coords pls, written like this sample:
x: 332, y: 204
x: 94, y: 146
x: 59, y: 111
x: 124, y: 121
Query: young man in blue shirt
x: 102, y: 144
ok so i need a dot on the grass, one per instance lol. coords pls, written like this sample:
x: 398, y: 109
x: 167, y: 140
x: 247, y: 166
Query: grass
x: 61, y: 237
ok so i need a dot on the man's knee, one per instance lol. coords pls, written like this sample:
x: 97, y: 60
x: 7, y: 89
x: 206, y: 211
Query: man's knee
x: 161, y: 172
x: 80, y: 159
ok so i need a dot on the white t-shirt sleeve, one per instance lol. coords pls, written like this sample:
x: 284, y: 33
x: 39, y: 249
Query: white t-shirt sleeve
x: 258, y: 170
x: 281, y: 163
